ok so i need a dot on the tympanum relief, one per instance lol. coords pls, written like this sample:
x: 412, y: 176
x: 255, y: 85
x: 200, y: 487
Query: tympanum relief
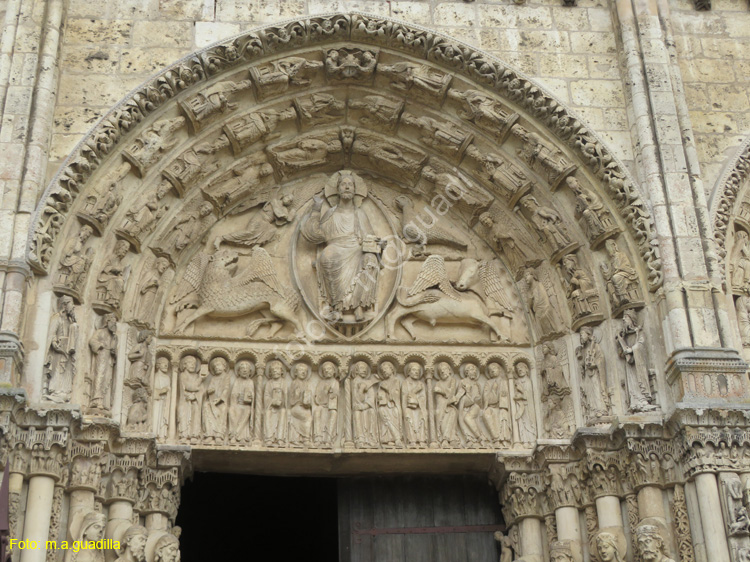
x: 324, y: 200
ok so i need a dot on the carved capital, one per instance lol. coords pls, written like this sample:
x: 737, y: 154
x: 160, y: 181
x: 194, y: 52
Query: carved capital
x: 604, y: 471
x: 122, y: 485
x: 565, y: 485
x: 39, y: 451
x: 522, y: 495
x: 159, y: 492
x: 652, y: 462
x: 86, y: 460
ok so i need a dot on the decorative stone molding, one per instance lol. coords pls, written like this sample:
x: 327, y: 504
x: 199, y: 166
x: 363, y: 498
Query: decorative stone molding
x: 697, y: 376
x: 728, y: 189
x: 357, y: 28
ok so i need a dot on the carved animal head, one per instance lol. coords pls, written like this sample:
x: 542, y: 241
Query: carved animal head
x: 468, y: 274
x: 222, y: 262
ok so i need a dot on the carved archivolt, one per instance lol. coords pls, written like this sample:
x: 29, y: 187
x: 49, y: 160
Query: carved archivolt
x: 726, y: 193
x: 425, y: 82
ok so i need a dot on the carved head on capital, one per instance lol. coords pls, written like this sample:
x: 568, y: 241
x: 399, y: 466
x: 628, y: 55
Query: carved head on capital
x: 167, y: 549
x: 134, y: 541
x: 92, y: 526
x: 560, y: 551
x: 607, y: 547
x: 650, y: 543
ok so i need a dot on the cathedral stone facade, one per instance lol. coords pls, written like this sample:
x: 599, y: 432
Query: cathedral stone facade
x: 302, y: 237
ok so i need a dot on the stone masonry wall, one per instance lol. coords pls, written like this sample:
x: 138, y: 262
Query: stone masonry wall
x: 714, y: 51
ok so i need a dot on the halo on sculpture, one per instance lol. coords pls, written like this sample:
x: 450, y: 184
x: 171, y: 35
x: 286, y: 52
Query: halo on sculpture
x: 332, y: 187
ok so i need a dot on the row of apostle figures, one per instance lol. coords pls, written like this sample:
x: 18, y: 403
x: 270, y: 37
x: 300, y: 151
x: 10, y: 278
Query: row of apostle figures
x: 367, y: 407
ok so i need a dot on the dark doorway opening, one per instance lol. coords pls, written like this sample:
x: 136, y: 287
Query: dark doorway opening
x: 235, y: 517
x: 361, y: 519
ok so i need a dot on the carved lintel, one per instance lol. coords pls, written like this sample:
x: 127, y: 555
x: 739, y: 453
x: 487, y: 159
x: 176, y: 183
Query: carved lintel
x: 718, y: 375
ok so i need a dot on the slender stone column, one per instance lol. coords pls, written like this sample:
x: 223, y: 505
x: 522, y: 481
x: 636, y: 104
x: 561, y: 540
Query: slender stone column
x: 531, y: 539
x: 38, y: 514
x: 651, y: 503
x: 609, y: 513
x: 709, y: 504
x: 120, y: 517
x: 569, y: 529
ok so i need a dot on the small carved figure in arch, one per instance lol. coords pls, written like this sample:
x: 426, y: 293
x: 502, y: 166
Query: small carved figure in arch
x: 595, y: 218
x: 190, y: 398
x: 499, y: 236
x: 263, y: 226
x: 326, y: 407
x: 523, y: 400
x: 242, y: 403
x: 110, y: 283
x: 363, y: 406
x: 274, y: 405
x: 216, y: 401
x: 558, y: 406
x: 631, y: 346
x: 446, y: 390
x: 149, y: 284
x: 581, y: 292
x: 739, y: 262
x: 74, y: 264
x: 60, y: 364
x: 186, y: 228
x: 622, y: 279
x: 103, y: 346
x: 389, y: 406
x: 539, y: 299
x: 143, y: 216
x: 300, y: 406
x: 137, y: 418
x: 496, y: 405
x: 595, y: 398
x: 470, y: 406
x: 742, y: 306
x: 549, y: 225
x: 414, y: 398
x: 162, y: 394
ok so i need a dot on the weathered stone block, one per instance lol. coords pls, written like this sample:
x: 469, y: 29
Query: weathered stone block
x: 107, y: 32
x: 163, y: 34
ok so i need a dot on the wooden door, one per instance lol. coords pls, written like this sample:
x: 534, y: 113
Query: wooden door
x: 418, y: 519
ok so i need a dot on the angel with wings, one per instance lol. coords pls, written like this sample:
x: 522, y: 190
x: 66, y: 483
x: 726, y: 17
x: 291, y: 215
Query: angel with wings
x: 213, y: 286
